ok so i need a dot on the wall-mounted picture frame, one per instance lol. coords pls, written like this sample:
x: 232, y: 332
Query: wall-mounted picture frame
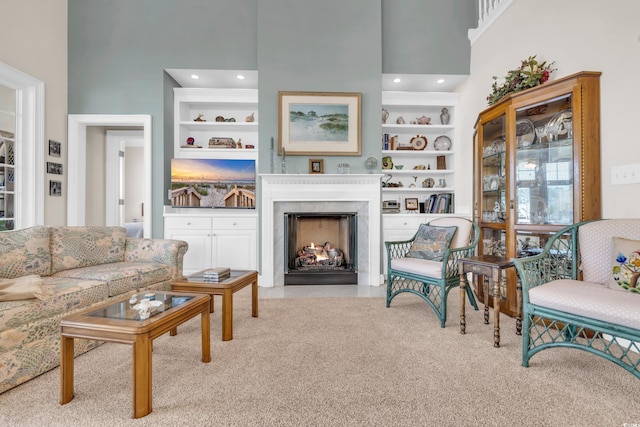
x: 55, y: 168
x: 316, y: 166
x: 55, y: 188
x: 55, y: 148
x: 411, y: 204
x: 319, y: 123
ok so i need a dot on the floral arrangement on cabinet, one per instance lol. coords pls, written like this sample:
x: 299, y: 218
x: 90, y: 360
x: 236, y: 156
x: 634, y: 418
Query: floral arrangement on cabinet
x: 531, y: 73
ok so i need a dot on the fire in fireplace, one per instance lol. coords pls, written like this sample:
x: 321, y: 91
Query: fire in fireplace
x: 320, y: 248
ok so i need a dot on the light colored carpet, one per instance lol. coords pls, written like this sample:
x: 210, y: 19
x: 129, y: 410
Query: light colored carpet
x: 335, y: 362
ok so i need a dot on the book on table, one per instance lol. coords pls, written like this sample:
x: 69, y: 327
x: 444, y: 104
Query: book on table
x: 216, y: 274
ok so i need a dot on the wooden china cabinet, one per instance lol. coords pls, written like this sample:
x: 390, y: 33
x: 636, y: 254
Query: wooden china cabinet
x: 536, y: 169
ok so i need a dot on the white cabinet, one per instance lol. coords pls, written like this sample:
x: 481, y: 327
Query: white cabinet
x: 427, y: 170
x: 215, y: 241
x: 204, y: 114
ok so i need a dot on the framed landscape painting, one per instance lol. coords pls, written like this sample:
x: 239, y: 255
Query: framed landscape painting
x: 319, y: 123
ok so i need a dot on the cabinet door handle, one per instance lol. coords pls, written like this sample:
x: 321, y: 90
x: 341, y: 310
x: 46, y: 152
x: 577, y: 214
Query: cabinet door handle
x: 188, y: 223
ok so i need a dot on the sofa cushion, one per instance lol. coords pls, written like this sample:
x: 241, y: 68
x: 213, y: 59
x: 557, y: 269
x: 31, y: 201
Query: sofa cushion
x: 67, y: 294
x: 24, y: 252
x: 625, y: 270
x: 421, y: 267
x: 77, y: 247
x: 122, y: 277
x: 24, y: 287
x: 588, y: 299
x: 596, y: 245
x: 431, y: 242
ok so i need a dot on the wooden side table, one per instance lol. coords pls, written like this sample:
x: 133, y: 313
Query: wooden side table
x: 489, y: 266
x: 226, y: 288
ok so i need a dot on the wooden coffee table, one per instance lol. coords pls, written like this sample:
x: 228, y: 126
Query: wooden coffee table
x: 238, y: 280
x: 118, y: 322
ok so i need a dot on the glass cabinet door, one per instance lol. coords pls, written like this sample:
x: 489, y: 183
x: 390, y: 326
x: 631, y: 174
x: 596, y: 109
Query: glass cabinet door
x: 544, y: 163
x: 493, y: 200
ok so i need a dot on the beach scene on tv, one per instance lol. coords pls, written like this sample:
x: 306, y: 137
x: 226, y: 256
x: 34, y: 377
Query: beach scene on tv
x: 213, y: 183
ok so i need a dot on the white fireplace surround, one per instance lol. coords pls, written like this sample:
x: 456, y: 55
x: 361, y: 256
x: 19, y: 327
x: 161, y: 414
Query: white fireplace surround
x: 320, y: 193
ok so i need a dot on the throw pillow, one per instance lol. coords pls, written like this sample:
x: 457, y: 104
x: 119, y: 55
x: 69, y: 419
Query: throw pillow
x: 431, y: 242
x: 625, y: 269
x: 19, y: 288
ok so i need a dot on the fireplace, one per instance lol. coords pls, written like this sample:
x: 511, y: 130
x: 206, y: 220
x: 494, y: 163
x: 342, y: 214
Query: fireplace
x: 326, y: 193
x: 320, y: 248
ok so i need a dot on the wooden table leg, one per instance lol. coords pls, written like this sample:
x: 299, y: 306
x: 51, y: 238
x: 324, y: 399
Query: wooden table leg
x: 211, y: 305
x: 227, y: 315
x: 463, y: 290
x: 495, y: 284
x: 485, y: 291
x: 66, y: 369
x: 206, y: 336
x: 142, y: 369
x: 254, y: 298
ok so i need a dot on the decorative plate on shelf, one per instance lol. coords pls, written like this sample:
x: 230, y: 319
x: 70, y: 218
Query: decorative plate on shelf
x: 442, y: 143
x: 419, y: 142
x: 525, y: 133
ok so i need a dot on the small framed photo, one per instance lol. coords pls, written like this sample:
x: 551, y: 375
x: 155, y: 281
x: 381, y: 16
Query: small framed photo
x: 55, y: 188
x: 316, y: 166
x: 411, y: 204
x: 55, y: 168
x: 54, y: 148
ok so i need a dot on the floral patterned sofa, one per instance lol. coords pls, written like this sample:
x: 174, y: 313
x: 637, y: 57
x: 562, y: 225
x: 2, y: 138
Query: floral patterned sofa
x: 75, y: 267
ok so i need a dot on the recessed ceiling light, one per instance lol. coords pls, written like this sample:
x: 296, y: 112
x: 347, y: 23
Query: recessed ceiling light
x: 440, y: 81
x: 397, y: 80
x: 195, y: 76
x: 240, y: 77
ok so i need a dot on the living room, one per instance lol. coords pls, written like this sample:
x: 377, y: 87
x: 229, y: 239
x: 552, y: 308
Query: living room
x: 98, y: 58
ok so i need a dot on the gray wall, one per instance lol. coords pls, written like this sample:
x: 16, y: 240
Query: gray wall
x: 119, y: 49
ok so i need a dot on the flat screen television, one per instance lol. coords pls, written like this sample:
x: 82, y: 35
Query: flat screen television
x: 213, y: 183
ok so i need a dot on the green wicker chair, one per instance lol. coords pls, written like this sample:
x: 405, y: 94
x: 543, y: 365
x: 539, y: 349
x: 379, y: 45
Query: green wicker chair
x: 566, y: 299
x: 432, y: 280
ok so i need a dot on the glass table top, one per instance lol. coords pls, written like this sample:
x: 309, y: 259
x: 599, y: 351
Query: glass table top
x: 124, y: 310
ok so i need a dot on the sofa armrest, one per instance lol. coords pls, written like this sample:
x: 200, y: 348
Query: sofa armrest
x: 169, y: 252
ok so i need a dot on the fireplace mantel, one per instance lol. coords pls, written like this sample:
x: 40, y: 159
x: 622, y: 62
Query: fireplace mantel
x: 312, y: 191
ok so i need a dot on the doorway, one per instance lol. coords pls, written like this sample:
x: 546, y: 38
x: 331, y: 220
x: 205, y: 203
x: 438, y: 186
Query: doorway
x: 78, y: 124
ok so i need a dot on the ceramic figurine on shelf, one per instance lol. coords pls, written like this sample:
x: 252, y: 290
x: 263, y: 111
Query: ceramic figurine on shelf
x: 444, y: 116
x: 200, y: 118
x: 400, y: 120
x: 424, y: 120
x: 250, y: 118
x: 385, y: 116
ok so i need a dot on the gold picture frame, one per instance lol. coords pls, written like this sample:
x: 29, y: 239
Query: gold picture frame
x: 319, y: 123
x: 316, y: 166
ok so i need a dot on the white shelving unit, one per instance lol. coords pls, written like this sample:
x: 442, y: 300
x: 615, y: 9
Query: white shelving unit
x: 230, y: 104
x: 216, y: 237
x: 411, y: 106
x: 419, y: 165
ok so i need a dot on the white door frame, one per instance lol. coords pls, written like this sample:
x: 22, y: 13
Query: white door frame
x: 29, y: 138
x: 115, y: 182
x: 77, y: 166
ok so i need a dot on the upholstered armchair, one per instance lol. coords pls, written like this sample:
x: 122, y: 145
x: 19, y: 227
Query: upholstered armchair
x: 427, y: 264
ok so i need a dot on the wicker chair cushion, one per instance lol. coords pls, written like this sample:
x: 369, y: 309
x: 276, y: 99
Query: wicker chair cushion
x: 431, y: 242
x: 625, y: 265
x: 588, y: 299
x: 421, y: 267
